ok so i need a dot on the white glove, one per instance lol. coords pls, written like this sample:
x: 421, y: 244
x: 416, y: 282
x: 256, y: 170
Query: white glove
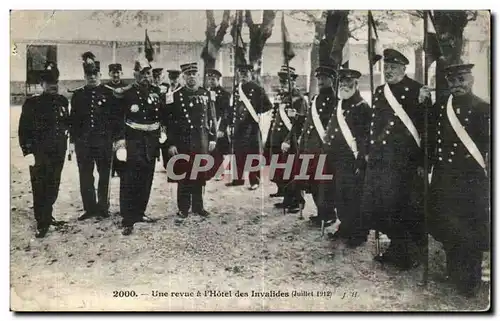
x: 121, y: 154
x: 220, y: 134
x: 163, y: 137
x: 285, y: 146
x: 30, y: 159
x: 211, y: 146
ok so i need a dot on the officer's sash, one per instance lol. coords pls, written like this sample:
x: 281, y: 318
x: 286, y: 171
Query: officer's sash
x: 346, y: 131
x: 284, y: 117
x: 463, y: 135
x: 317, y: 121
x: 218, y: 122
x: 401, y: 113
x: 249, y: 107
x: 248, y: 104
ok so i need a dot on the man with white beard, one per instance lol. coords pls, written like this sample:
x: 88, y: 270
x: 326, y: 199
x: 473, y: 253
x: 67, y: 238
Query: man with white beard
x: 344, y: 144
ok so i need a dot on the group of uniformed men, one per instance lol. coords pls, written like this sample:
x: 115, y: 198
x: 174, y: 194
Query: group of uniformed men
x: 374, y: 153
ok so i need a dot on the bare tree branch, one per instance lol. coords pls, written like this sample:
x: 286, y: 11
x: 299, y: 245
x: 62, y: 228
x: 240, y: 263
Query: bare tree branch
x: 223, y: 27
x: 311, y: 18
x: 248, y: 19
x: 268, y: 23
x: 211, y: 26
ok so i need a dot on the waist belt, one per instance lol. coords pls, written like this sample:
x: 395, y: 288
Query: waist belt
x: 143, y: 127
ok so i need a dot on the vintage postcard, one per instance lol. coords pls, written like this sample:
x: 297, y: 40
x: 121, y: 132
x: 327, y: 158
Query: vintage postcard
x: 250, y: 160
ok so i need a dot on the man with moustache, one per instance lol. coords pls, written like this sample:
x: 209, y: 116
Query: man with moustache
x: 459, y: 191
x: 191, y: 131
x: 250, y: 102
x: 312, y: 139
x: 140, y: 139
x: 291, y: 107
x: 115, y: 74
x: 42, y: 135
x: 95, y: 125
x: 345, y: 137
x: 393, y: 187
x: 221, y: 98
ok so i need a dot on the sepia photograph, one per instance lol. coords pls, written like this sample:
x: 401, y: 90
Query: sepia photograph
x: 250, y: 160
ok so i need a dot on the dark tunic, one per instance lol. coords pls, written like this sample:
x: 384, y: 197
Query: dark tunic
x: 117, y: 165
x: 247, y: 137
x: 393, y: 191
x: 278, y: 131
x: 95, y: 124
x: 42, y: 132
x: 310, y: 142
x: 347, y: 184
x: 142, y: 113
x: 222, y: 111
x: 191, y: 126
x: 459, y: 190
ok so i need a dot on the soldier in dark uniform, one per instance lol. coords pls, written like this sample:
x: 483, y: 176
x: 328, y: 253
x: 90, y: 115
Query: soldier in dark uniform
x: 168, y: 90
x: 158, y: 77
x: 459, y: 190
x: 289, y: 109
x: 346, y: 134
x: 247, y: 138
x: 393, y: 187
x: 191, y: 131
x: 42, y: 133
x: 221, y: 98
x: 143, y: 118
x: 115, y: 73
x: 311, y: 139
x: 94, y: 128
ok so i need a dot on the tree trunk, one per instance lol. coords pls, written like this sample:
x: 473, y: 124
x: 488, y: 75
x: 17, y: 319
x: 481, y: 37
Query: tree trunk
x: 258, y: 37
x: 450, y: 27
x: 419, y: 67
x: 319, y: 32
x: 213, y: 40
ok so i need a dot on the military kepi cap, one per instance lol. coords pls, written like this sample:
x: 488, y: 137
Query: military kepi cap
x: 173, y: 73
x: 90, y: 65
x: 50, y: 72
x: 325, y: 70
x: 287, y: 70
x: 115, y: 67
x: 458, y: 69
x: 395, y: 57
x: 213, y: 73
x: 349, y: 74
x: 157, y: 72
x: 190, y: 67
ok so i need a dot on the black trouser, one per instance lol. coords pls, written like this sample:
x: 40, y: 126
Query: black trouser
x: 253, y: 176
x: 190, y: 193
x: 135, y: 185
x: 323, y: 193
x: 463, y: 262
x: 45, y: 179
x: 96, y: 151
x: 164, y: 154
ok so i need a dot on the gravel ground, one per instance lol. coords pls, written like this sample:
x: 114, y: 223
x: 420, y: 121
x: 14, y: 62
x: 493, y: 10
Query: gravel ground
x: 244, y: 246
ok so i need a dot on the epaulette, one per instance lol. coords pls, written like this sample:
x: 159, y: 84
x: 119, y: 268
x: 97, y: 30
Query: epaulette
x: 76, y: 89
